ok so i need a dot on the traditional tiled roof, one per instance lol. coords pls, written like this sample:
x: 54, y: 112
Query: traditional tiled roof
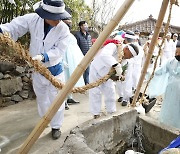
x: 148, y: 26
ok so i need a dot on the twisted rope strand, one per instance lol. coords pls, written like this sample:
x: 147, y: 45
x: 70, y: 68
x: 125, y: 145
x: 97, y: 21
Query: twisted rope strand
x: 38, y: 66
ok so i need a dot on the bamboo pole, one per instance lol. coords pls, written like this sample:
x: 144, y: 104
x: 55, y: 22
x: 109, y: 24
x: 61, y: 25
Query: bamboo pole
x: 74, y: 78
x: 151, y: 48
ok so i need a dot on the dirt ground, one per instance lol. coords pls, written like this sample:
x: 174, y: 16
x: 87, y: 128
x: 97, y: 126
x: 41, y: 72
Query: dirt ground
x: 17, y: 121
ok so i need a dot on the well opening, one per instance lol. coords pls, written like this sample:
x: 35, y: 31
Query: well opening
x: 115, y: 135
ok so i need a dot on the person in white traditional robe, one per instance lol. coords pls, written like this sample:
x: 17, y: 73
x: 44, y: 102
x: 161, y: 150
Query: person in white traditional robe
x: 124, y: 88
x: 71, y: 59
x: 137, y: 64
x: 100, y: 66
x: 174, y: 40
x: 49, y: 41
x: 155, y: 52
x: 167, y: 50
x: 167, y: 81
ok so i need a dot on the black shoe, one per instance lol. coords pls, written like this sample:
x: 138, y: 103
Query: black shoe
x: 131, y: 99
x: 71, y: 101
x: 149, y: 106
x: 96, y: 116
x: 120, y: 99
x: 140, y: 95
x: 124, y: 103
x: 66, y: 106
x: 56, y: 133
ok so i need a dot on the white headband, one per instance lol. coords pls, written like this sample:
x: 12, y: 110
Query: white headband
x: 119, y: 38
x: 130, y: 36
x: 49, y: 8
x: 131, y: 49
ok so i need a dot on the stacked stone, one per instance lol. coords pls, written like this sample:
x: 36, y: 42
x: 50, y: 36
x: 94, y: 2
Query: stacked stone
x: 15, y: 83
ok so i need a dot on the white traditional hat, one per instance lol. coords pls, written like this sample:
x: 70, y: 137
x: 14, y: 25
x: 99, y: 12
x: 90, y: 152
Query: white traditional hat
x: 51, y: 9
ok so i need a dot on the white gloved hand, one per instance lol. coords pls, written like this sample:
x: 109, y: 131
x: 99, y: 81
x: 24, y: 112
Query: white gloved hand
x: 129, y: 152
x: 38, y: 57
x: 118, y: 70
x: 139, y: 108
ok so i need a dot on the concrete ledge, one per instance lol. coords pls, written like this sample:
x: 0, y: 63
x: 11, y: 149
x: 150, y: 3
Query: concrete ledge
x: 156, y: 135
x: 113, y: 134
x: 108, y: 134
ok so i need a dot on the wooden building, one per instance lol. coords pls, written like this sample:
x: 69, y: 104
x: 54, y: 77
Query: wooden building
x: 147, y: 26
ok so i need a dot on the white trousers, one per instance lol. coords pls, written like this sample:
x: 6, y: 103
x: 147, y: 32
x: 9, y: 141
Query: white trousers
x: 136, y: 74
x: 45, y: 95
x: 124, y: 88
x: 95, y: 94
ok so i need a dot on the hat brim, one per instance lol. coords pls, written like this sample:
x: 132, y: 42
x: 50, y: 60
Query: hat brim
x: 52, y: 16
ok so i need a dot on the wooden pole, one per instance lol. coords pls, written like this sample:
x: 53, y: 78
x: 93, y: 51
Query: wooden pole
x: 74, y: 78
x: 151, y: 48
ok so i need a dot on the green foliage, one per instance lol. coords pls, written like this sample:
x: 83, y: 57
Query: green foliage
x: 124, y: 68
x: 80, y: 11
x: 8, y: 11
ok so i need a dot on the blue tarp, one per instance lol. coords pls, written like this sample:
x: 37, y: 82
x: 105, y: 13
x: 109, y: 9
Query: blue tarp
x: 174, y: 144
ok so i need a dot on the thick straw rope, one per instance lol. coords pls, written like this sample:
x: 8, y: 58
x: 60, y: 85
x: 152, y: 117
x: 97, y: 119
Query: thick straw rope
x: 38, y: 66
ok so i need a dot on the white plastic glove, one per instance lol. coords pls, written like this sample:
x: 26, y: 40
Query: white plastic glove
x: 118, y: 70
x: 38, y: 57
x: 129, y: 152
x: 139, y: 108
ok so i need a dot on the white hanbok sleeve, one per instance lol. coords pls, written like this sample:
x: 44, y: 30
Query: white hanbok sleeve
x: 18, y: 26
x: 73, y: 56
x: 107, y: 54
x: 58, y: 50
x: 60, y: 46
x: 159, y: 82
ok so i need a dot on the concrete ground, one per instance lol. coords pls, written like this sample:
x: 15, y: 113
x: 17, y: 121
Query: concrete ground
x: 17, y: 122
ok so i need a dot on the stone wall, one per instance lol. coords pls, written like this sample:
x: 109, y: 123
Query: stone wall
x: 15, y: 83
